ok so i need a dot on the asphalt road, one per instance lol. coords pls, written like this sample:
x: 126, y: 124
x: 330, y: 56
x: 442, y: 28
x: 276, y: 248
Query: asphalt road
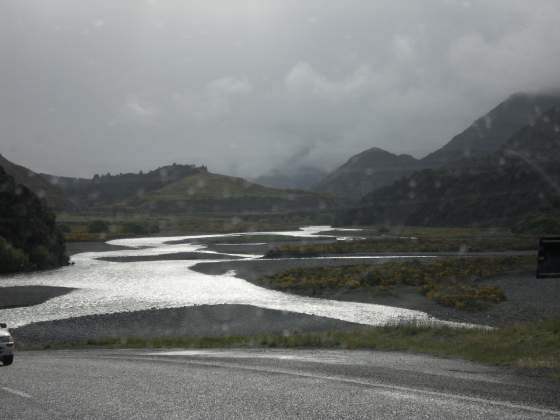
x: 275, y: 384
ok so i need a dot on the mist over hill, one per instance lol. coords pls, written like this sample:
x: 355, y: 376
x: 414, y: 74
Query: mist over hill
x: 375, y: 181
x: 299, y: 178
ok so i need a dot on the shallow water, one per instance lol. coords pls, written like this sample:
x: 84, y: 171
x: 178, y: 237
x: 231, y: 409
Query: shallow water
x: 109, y: 287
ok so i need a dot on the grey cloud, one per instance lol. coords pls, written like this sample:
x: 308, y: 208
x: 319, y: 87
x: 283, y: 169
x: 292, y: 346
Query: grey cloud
x: 248, y: 85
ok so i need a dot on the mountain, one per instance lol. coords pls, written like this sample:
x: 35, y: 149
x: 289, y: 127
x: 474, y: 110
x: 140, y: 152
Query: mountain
x: 205, y: 192
x: 518, y: 181
x: 29, y: 238
x: 365, y: 172
x: 490, y: 132
x: 300, y: 178
x: 376, y: 168
x: 35, y: 182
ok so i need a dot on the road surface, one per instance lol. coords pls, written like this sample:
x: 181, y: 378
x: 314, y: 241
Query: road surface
x: 265, y: 384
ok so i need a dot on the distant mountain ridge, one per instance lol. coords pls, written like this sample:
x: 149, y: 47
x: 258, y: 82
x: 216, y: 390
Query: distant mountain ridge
x: 521, y: 179
x: 376, y: 168
x: 366, y: 171
x: 171, y: 189
x: 489, y: 133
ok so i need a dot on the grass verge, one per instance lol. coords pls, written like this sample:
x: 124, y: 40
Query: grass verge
x: 532, y: 345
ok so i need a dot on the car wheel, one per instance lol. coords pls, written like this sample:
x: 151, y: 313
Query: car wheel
x: 8, y: 360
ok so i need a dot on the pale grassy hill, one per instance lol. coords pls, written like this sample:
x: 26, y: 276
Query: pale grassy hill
x: 209, y: 192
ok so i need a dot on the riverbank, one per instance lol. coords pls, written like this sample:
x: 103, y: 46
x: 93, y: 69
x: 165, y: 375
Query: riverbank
x: 194, y: 321
x: 177, y: 256
x: 77, y: 247
x: 527, y: 299
x: 529, y: 348
x: 21, y: 296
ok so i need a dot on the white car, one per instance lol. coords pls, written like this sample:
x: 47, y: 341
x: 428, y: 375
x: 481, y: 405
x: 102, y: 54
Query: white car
x: 6, y: 346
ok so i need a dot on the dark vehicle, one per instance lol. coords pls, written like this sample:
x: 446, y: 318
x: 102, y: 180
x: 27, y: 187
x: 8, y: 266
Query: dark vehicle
x: 549, y: 258
x: 6, y: 345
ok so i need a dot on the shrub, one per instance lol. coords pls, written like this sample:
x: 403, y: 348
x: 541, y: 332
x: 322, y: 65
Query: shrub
x: 135, y: 228
x: 98, y: 226
x: 448, y: 281
x: 11, y: 259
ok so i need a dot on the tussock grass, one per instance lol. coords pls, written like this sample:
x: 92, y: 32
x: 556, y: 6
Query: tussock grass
x: 453, y: 282
x: 395, y: 245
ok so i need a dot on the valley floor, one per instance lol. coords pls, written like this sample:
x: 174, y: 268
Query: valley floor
x: 527, y: 298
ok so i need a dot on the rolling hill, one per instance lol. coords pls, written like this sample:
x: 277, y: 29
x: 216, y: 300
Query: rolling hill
x: 103, y: 191
x: 212, y: 193
x: 171, y: 189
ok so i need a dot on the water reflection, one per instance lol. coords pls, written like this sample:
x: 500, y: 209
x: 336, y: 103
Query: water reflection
x: 109, y: 287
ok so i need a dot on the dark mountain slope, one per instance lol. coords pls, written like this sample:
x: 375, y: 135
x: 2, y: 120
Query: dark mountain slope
x: 490, y: 132
x: 376, y: 168
x: 521, y: 179
x: 29, y: 238
x: 365, y: 172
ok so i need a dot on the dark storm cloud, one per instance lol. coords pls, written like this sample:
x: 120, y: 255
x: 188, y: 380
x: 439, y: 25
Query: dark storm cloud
x: 244, y: 86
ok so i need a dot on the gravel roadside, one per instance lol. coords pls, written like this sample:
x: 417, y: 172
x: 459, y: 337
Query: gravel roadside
x: 196, y: 321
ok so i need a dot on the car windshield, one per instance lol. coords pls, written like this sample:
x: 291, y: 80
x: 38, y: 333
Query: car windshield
x: 279, y: 209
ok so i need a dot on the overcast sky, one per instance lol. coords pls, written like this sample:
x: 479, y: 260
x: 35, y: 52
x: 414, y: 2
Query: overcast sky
x: 247, y: 85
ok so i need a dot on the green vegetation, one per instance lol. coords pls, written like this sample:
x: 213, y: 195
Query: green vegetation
x: 453, y: 282
x: 133, y: 228
x: 103, y: 191
x: 29, y: 238
x: 540, y: 224
x: 433, y: 244
x: 11, y: 259
x: 98, y: 226
x: 448, y: 232
x: 77, y: 227
x: 529, y: 345
x: 213, y: 186
x: 220, y: 194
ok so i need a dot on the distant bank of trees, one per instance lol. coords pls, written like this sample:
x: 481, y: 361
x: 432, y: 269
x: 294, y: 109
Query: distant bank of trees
x: 127, y: 228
